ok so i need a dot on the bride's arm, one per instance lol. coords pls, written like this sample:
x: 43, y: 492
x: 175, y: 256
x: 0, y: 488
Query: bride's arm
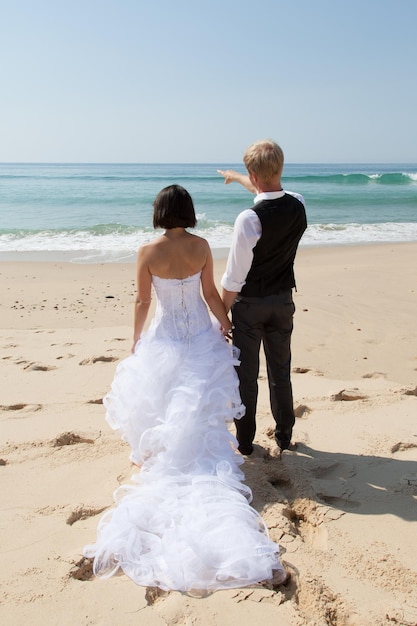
x: 143, y: 295
x: 211, y: 295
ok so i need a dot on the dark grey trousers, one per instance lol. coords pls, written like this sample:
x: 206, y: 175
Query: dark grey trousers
x: 268, y: 320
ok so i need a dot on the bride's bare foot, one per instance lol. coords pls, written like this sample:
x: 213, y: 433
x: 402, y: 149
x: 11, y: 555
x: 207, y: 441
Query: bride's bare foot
x: 279, y: 578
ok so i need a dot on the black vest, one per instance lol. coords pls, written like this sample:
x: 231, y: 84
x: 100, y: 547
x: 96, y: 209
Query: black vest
x: 283, y: 222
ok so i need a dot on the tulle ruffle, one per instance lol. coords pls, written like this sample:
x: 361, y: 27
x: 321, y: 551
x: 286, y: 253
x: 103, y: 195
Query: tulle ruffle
x: 194, y: 533
x: 175, y: 398
x: 185, y: 523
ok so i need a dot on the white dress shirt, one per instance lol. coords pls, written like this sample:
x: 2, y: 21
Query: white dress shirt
x: 246, y: 233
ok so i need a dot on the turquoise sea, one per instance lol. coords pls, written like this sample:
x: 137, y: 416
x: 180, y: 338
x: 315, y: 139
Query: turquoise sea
x: 103, y: 212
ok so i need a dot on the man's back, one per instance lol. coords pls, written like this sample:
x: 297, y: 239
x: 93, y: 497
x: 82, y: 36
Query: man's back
x: 283, y: 222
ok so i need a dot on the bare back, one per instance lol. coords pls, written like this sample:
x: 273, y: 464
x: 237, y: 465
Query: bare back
x: 176, y: 254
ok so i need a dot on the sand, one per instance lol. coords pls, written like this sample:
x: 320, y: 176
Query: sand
x: 342, y: 505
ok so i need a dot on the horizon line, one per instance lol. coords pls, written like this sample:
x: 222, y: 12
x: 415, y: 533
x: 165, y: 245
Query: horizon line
x: 214, y: 163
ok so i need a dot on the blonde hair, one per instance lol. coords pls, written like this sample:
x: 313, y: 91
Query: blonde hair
x: 264, y: 159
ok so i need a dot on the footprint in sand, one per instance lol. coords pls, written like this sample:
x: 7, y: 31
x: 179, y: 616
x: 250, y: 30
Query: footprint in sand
x: 283, y: 485
x: 12, y: 407
x: 99, y: 359
x: 82, y: 570
x: 400, y: 447
x: 35, y: 367
x: 320, y: 602
x: 348, y: 395
x: 335, y: 494
x: 331, y: 484
x: 301, y: 410
x: 153, y: 594
x: 306, y: 370
x: 410, y: 392
x: 277, y: 476
x: 375, y: 375
x: 69, y: 439
x: 83, y: 512
x: 311, y: 530
x: 28, y: 408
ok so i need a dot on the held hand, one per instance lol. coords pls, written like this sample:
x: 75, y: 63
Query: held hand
x: 227, y: 333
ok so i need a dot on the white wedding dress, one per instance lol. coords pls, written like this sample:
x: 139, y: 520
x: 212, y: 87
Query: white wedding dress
x: 185, y: 523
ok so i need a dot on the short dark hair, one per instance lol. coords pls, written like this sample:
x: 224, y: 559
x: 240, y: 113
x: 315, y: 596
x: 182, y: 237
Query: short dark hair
x: 173, y: 207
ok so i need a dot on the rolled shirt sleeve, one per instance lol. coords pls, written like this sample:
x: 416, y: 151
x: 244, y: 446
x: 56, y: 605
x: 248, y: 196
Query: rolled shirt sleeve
x: 247, y: 231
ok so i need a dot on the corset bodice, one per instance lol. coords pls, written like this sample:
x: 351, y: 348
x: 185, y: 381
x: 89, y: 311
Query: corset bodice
x: 181, y: 313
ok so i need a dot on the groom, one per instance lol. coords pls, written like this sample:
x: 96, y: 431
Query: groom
x: 257, y: 286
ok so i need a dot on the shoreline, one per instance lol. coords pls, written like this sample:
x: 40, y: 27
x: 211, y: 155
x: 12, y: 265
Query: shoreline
x: 92, y: 257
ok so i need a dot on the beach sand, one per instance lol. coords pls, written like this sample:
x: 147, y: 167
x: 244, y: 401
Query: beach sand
x: 343, y: 506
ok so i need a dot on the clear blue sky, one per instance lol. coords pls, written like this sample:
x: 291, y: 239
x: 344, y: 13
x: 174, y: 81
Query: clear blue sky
x: 190, y: 81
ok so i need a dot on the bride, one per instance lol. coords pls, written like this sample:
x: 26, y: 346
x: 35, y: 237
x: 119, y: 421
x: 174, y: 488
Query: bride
x: 185, y: 522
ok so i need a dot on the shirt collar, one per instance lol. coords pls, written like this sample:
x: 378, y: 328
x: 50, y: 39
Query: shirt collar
x: 268, y: 195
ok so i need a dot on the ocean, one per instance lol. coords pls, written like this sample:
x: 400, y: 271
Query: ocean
x: 90, y: 213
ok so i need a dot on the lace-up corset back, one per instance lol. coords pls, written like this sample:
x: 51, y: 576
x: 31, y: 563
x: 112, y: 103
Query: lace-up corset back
x: 180, y: 312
